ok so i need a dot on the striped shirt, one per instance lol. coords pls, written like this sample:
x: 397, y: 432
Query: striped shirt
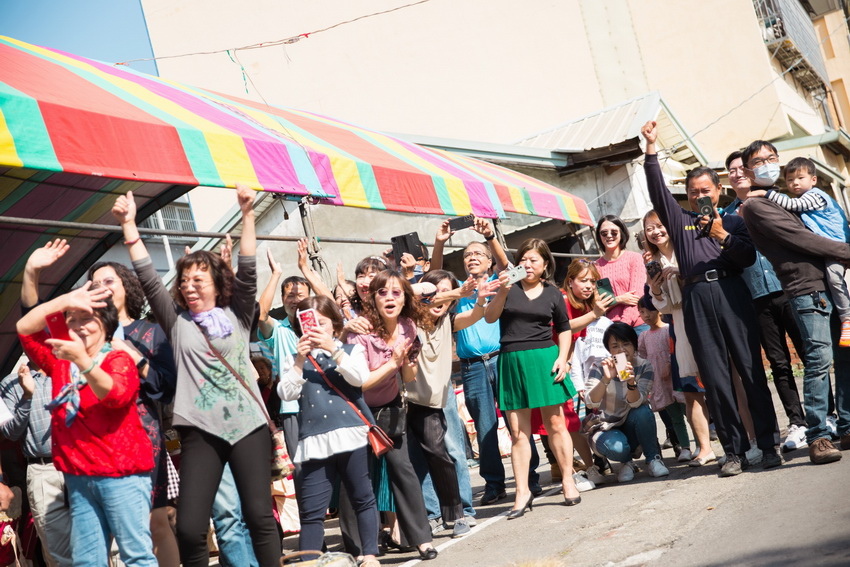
x: 29, y: 416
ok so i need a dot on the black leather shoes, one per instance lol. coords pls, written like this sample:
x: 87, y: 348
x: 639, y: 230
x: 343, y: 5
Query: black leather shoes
x: 429, y: 554
x: 492, y: 498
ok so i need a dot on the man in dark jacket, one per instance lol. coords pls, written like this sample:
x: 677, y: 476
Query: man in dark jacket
x: 798, y: 255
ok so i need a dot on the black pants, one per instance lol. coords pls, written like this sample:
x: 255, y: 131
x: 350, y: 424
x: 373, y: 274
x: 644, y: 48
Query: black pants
x: 409, y: 503
x: 314, y: 496
x: 720, y: 323
x: 428, y: 428
x: 202, y: 461
x: 776, y: 319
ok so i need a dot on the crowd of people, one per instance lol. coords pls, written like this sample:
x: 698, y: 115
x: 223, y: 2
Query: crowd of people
x: 674, y: 331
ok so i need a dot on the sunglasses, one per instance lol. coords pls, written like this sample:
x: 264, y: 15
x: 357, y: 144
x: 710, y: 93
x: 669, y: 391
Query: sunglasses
x: 384, y: 292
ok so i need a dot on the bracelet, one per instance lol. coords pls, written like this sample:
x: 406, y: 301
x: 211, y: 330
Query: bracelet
x: 631, y: 386
x: 489, y: 238
x: 131, y: 242
x: 90, y: 368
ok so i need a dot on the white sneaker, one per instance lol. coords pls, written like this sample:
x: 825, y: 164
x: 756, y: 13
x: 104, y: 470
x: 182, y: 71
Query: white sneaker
x: 583, y: 484
x: 594, y: 475
x: 627, y: 472
x: 796, y: 439
x: 754, y: 455
x: 685, y: 456
x: 657, y: 468
x: 832, y: 426
x: 461, y: 528
x: 470, y: 521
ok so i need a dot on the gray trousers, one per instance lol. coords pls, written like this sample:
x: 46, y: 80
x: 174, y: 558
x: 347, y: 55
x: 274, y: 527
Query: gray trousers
x: 51, y: 515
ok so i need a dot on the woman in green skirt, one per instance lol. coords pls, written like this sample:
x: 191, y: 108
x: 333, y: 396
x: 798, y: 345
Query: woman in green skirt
x: 531, y: 368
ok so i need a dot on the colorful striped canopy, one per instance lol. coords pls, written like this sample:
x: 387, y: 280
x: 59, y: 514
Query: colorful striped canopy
x: 74, y: 133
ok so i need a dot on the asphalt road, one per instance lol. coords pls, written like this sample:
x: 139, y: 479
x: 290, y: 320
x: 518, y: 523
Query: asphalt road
x: 797, y: 514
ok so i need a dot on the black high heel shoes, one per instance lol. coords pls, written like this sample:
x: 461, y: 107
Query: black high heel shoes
x: 529, y: 504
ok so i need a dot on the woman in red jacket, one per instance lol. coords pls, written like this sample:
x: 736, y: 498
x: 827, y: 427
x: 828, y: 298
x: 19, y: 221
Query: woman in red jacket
x: 98, y: 439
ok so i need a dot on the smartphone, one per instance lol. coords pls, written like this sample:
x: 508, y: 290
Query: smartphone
x: 57, y: 326
x: 308, y: 319
x: 516, y: 274
x: 620, y: 363
x: 603, y: 286
x: 640, y: 238
x: 460, y: 223
x: 415, y: 349
x: 653, y: 268
x: 705, y: 207
x: 406, y: 243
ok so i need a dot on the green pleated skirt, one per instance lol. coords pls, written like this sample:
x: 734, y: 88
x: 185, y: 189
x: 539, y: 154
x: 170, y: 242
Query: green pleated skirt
x: 526, y: 380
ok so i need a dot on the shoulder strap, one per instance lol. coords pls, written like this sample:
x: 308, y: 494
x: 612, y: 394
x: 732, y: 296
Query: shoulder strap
x: 337, y: 390
x: 240, y: 379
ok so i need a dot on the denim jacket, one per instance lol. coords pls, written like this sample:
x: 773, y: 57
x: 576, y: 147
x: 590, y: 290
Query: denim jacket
x: 760, y: 277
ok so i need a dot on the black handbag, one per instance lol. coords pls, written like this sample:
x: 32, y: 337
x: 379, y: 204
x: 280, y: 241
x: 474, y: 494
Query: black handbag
x: 393, y: 418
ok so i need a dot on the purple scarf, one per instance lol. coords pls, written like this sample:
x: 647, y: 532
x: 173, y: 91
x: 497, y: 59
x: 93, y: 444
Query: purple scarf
x: 214, y: 322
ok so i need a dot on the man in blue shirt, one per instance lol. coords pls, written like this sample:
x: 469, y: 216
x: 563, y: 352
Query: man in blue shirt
x: 775, y: 316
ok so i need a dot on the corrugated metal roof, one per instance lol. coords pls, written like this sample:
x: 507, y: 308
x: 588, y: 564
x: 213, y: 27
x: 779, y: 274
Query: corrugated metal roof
x: 617, y: 124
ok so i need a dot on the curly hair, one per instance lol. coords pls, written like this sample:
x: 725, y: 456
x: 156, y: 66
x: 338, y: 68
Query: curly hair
x: 411, y: 308
x: 134, y: 296
x: 222, y: 276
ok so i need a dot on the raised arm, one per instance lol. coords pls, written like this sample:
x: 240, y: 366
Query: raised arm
x: 497, y: 303
x: 313, y: 278
x: 668, y: 209
x: 500, y: 257
x: 443, y: 234
x: 472, y: 316
x: 809, y: 201
x: 248, y: 240
x: 40, y: 259
x: 266, y: 324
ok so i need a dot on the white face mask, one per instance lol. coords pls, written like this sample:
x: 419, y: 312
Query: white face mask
x: 766, y: 175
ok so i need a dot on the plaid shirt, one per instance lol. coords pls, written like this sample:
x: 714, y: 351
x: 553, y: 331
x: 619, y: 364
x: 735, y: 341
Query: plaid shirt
x: 29, y: 416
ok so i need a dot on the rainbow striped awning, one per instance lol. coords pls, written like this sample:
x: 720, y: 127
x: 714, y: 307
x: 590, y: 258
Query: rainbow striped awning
x: 74, y: 133
x: 64, y: 113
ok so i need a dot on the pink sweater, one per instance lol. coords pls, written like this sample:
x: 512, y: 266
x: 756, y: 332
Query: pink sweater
x: 626, y: 273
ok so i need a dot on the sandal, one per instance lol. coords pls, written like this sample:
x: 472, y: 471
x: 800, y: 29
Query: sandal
x: 429, y: 554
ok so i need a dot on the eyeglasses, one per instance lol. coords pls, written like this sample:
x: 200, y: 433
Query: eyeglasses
x: 609, y: 232
x: 106, y: 282
x: 586, y: 261
x: 758, y: 162
x: 384, y: 292
x: 475, y: 254
x: 194, y: 285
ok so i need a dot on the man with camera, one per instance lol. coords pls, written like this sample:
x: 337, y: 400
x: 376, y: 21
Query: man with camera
x: 719, y: 317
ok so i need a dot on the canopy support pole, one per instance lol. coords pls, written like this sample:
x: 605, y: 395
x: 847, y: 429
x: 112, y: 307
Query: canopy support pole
x: 500, y: 236
x: 313, y: 250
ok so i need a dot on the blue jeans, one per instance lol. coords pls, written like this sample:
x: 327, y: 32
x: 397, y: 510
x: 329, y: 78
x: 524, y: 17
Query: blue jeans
x: 102, y: 505
x: 234, y: 540
x: 480, y: 381
x: 841, y: 368
x: 812, y: 313
x: 619, y: 443
x: 456, y: 446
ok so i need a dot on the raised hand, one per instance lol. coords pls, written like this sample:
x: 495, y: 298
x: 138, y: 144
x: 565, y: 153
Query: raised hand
x: 48, y: 254
x: 650, y: 131
x: 482, y: 227
x: 444, y: 232
x: 302, y: 253
x: 227, y: 250
x: 86, y: 298
x: 489, y: 289
x: 274, y: 265
x: 124, y: 209
x: 245, y: 197
x: 468, y: 287
x: 26, y: 380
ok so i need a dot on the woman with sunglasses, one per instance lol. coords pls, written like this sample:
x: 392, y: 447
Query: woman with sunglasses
x: 532, y: 370
x: 623, y: 268
x: 208, y: 317
x: 665, y: 289
x: 391, y: 347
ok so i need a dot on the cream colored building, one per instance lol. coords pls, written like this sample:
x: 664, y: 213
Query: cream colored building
x: 503, y: 72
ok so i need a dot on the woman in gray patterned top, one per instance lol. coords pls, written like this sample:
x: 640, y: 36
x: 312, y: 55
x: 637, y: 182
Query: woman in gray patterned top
x: 218, y: 420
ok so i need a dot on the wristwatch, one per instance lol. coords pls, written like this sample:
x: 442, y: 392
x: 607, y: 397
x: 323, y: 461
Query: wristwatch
x: 142, y: 363
x: 631, y: 386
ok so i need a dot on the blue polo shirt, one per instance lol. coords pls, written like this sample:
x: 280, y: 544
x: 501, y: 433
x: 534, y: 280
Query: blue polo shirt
x: 284, y: 345
x: 482, y: 337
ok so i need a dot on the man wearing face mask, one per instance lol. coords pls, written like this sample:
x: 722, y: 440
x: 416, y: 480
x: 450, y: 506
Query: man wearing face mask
x: 719, y: 317
x: 775, y: 317
x: 798, y: 255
